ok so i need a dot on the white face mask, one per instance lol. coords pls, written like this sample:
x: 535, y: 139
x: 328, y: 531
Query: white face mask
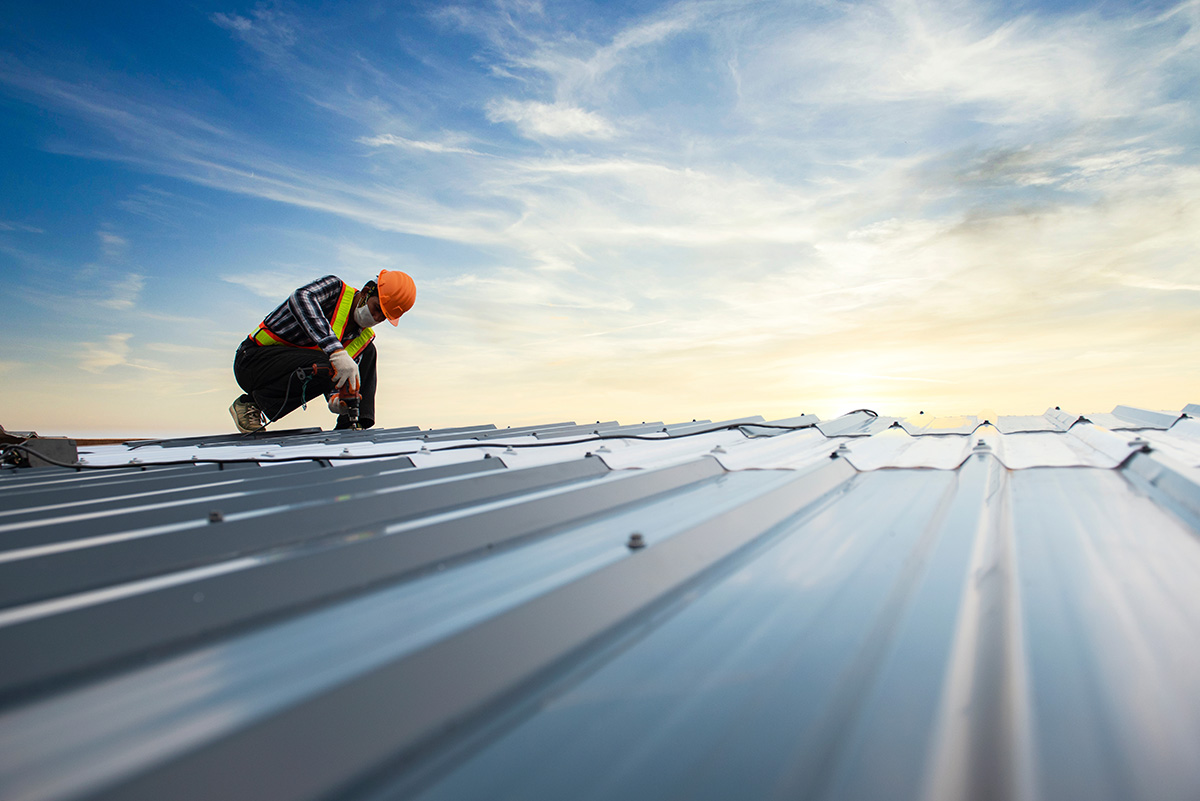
x: 363, y: 316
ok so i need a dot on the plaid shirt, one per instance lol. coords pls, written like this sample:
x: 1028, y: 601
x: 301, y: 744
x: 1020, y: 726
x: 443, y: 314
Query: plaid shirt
x: 303, y: 319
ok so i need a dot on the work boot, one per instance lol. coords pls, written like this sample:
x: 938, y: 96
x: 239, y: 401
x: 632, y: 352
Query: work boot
x: 246, y: 415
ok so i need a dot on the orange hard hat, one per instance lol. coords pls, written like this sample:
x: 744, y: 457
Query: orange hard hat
x: 397, y: 293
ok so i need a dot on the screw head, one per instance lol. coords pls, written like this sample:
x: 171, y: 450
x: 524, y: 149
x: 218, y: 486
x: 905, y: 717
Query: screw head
x: 215, y: 516
x: 636, y: 541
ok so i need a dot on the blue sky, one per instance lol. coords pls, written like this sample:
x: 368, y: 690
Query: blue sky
x: 626, y: 211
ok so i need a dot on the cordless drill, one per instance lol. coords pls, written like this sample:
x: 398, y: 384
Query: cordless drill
x: 350, y: 398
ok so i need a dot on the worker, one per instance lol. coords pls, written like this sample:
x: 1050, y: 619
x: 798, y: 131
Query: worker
x: 326, y: 323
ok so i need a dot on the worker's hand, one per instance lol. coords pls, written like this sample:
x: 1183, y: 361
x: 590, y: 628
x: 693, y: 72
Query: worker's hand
x: 344, y: 369
x: 336, y: 405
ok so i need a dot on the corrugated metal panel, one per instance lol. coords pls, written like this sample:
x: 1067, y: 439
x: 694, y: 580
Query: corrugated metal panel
x: 1130, y: 417
x: 941, y: 425
x: 866, y: 607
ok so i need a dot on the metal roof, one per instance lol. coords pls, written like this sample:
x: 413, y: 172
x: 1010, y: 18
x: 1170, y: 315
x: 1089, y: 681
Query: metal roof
x: 864, y: 607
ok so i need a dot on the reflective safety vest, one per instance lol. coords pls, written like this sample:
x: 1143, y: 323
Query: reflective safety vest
x: 338, y: 322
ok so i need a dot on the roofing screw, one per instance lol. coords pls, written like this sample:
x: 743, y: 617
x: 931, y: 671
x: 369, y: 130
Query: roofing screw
x: 346, y: 452
x: 510, y: 449
x: 717, y: 449
x: 215, y: 516
x: 636, y: 541
x: 982, y: 445
x: 135, y: 460
x: 603, y: 449
x: 426, y: 450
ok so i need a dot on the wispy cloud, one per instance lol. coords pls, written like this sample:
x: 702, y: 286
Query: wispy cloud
x: 125, y: 292
x: 876, y: 377
x: 391, y: 140
x: 268, y: 29
x: 273, y: 284
x: 165, y: 208
x: 113, y: 351
x: 1157, y: 285
x: 552, y: 120
x: 8, y: 225
x: 111, y: 244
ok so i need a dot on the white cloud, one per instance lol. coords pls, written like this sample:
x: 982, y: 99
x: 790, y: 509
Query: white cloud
x: 271, y: 32
x: 553, y: 120
x: 391, y: 140
x: 8, y: 225
x: 1140, y: 282
x: 100, y: 356
x: 125, y: 292
x: 272, y: 284
x: 111, y: 244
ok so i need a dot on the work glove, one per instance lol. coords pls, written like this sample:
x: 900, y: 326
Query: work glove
x: 344, y: 369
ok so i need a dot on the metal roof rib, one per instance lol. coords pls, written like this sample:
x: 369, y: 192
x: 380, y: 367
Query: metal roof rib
x: 856, y: 424
x: 1129, y: 417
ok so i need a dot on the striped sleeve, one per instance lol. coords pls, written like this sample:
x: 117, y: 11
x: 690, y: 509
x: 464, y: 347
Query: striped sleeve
x: 309, y: 304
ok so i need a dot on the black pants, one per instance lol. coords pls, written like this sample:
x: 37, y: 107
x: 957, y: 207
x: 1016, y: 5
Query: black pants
x: 267, y: 373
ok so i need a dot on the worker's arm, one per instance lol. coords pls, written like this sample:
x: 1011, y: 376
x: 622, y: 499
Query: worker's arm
x: 308, y: 304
